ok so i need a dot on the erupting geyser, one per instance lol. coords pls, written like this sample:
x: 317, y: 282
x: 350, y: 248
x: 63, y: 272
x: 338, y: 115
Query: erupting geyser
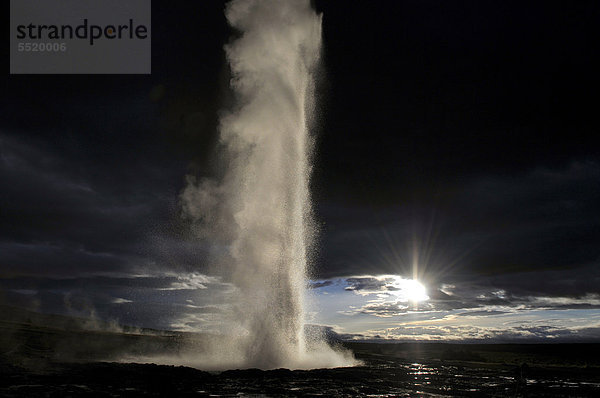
x: 260, y: 209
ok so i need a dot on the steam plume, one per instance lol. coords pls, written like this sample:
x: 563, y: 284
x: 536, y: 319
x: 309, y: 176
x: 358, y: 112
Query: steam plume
x: 260, y: 210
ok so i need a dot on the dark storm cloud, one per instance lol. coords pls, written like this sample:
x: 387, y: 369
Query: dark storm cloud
x: 156, y: 282
x: 370, y: 284
x: 84, y: 217
x: 163, y: 300
x: 47, y: 209
x: 492, y: 230
x: 91, y: 169
x: 461, y: 90
x: 60, y: 221
x: 547, y: 218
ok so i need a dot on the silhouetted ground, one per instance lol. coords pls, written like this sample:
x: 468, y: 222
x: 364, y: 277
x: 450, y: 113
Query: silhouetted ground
x: 47, y: 361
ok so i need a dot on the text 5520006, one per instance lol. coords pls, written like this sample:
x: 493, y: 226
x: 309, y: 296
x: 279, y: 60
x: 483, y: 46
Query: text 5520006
x: 42, y: 47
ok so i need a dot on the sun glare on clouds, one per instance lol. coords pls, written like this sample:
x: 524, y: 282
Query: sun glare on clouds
x: 410, y: 290
x: 395, y: 286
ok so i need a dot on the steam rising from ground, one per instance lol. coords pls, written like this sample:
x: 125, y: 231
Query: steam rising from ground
x: 259, y: 213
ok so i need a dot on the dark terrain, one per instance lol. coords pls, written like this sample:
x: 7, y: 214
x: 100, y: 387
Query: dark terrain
x: 53, y: 356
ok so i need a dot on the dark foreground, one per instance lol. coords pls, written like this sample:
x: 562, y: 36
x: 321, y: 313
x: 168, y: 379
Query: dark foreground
x: 45, y: 361
x: 383, y: 375
x: 380, y: 377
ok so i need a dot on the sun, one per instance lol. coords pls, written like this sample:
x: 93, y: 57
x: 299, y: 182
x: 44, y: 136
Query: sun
x: 409, y: 290
x: 415, y: 291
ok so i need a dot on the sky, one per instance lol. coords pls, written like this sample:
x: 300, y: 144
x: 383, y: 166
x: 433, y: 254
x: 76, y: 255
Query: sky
x: 456, y: 144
